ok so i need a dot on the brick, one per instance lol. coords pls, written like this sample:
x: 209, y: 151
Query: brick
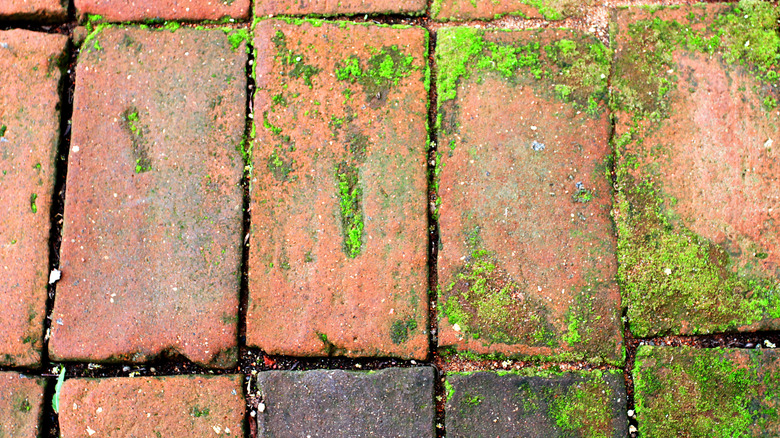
x: 151, y: 246
x: 34, y: 10
x: 29, y: 137
x: 536, y: 404
x: 342, y: 7
x: 458, y: 10
x: 697, y: 211
x: 527, y: 255
x: 325, y: 403
x: 21, y: 400
x: 193, y: 406
x: 337, y: 260
x: 146, y: 10
x: 707, y: 392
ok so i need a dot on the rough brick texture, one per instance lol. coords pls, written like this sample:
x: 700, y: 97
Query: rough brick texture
x: 337, y: 260
x: 34, y: 10
x: 29, y: 136
x: 445, y: 10
x: 21, y: 400
x: 144, y: 10
x: 151, y: 241
x: 339, y: 7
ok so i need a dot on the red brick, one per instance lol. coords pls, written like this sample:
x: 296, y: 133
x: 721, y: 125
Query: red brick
x: 313, y: 291
x: 29, y: 135
x: 445, y: 10
x: 192, y: 406
x: 341, y: 7
x: 151, y: 241
x: 142, y: 10
x: 34, y: 10
x: 526, y: 262
x: 698, y: 212
x: 21, y: 399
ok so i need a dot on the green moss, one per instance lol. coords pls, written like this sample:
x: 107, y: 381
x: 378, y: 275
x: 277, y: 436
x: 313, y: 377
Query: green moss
x: 236, y: 37
x: 713, y: 393
x: 350, y: 202
x: 171, y: 26
x: 3, y: 130
x: 382, y: 71
x: 449, y: 390
x: 401, y: 329
x: 143, y: 162
x: 280, y: 166
x: 294, y: 64
x: 198, y: 412
x: 573, y: 70
x: 33, y: 205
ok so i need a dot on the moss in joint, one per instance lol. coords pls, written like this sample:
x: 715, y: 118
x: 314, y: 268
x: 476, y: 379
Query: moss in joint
x: 350, y: 202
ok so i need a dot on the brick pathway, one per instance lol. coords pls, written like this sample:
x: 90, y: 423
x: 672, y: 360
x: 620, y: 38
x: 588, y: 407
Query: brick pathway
x: 399, y: 219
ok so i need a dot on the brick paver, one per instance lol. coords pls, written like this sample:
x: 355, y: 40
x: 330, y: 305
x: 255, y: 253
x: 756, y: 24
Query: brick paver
x: 34, y: 10
x: 21, y: 398
x: 445, y: 10
x: 536, y: 404
x: 29, y: 135
x: 707, y: 392
x: 151, y: 241
x: 145, y: 10
x: 329, y: 403
x: 698, y: 219
x: 337, y: 7
x: 337, y: 261
x: 191, y: 406
x: 526, y: 262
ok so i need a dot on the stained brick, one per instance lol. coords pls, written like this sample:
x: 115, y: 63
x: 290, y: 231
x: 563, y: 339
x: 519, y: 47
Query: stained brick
x: 34, y: 10
x: 342, y: 7
x: 337, y: 260
x: 21, y: 400
x: 151, y: 241
x: 445, y: 10
x: 29, y: 136
x: 145, y: 10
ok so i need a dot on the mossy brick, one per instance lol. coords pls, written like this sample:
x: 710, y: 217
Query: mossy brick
x: 340, y: 7
x: 395, y: 402
x: 151, y: 246
x: 29, y: 137
x: 34, y: 10
x: 21, y: 402
x: 460, y: 10
x: 695, y: 95
x: 713, y: 393
x: 534, y: 403
x: 174, y: 406
x: 160, y: 10
x: 337, y: 258
x: 527, y: 256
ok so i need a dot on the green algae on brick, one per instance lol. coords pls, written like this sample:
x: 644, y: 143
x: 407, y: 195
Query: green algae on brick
x: 350, y: 201
x: 576, y: 67
x: 295, y: 63
x: 532, y: 402
x: 713, y: 393
x: 382, y: 71
x: 553, y: 10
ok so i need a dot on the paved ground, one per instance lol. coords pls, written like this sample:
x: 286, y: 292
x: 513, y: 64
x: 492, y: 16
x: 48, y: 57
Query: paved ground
x: 388, y: 219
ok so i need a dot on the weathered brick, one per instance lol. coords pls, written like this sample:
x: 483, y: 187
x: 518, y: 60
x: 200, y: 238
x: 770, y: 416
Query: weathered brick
x: 34, y: 10
x: 445, y: 10
x: 326, y: 403
x: 341, y: 7
x: 531, y: 403
x: 152, y: 234
x: 681, y: 391
x: 698, y: 216
x: 145, y: 10
x: 21, y: 399
x: 337, y: 261
x: 192, y: 406
x: 29, y: 136
x: 527, y: 255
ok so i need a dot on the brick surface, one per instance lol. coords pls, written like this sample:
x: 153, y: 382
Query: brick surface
x: 333, y: 7
x: 151, y: 241
x: 526, y: 261
x: 144, y: 10
x: 29, y: 135
x: 192, y: 406
x: 445, y: 10
x: 681, y: 391
x: 536, y: 404
x: 324, y: 403
x: 21, y: 399
x: 34, y: 10
x: 696, y: 139
x: 337, y: 261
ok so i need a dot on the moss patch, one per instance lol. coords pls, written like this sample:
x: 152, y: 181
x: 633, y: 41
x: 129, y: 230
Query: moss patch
x: 714, y: 393
x: 293, y: 64
x: 382, y: 71
x: 400, y: 330
x: 350, y: 203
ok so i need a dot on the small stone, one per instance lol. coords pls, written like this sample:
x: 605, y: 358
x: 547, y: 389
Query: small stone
x: 54, y: 276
